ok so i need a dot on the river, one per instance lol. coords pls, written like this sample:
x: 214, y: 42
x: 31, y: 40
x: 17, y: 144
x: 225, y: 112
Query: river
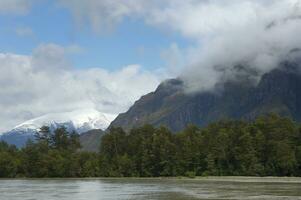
x: 152, y: 189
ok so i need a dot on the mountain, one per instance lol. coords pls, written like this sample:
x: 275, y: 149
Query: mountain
x: 80, y: 121
x: 278, y: 91
x: 90, y: 141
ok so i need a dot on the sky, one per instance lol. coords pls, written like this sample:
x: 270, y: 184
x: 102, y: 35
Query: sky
x: 62, y: 55
x: 48, y: 21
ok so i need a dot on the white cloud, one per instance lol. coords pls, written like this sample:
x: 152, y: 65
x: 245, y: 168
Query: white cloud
x: 44, y: 82
x: 24, y: 31
x: 102, y: 15
x: 49, y: 58
x: 15, y: 6
x: 175, y: 58
x: 257, y: 33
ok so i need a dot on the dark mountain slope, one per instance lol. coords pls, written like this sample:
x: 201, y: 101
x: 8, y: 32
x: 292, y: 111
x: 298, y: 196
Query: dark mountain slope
x: 90, y: 141
x: 278, y: 91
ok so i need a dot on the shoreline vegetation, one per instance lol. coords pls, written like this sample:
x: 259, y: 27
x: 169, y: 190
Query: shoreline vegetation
x: 268, y: 147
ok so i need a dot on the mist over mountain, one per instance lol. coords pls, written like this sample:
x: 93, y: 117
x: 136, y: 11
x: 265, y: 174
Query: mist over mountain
x: 257, y: 38
x: 277, y: 91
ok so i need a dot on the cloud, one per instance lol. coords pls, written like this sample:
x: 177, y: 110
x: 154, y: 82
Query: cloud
x: 18, y: 7
x: 45, y: 82
x: 234, y: 33
x: 255, y: 33
x: 24, y: 31
x: 49, y: 58
x: 174, y: 58
x: 102, y: 15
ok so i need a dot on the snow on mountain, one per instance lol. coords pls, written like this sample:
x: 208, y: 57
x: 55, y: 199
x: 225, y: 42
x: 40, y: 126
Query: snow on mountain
x: 79, y: 120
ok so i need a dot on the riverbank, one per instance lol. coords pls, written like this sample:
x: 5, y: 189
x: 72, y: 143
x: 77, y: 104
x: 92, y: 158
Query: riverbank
x: 249, y: 179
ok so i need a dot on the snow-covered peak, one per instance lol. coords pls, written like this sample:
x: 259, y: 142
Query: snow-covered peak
x: 79, y: 120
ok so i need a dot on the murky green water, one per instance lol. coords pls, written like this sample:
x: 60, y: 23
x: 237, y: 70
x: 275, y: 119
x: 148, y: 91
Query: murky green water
x: 122, y: 189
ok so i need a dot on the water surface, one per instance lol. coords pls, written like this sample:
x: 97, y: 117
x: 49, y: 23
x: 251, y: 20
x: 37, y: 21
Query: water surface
x: 136, y: 189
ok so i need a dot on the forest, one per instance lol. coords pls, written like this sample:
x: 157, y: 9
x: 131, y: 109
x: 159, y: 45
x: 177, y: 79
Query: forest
x: 267, y: 146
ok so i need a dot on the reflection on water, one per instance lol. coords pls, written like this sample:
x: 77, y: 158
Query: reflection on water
x: 136, y: 189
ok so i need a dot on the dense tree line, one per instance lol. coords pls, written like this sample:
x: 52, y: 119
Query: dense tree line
x: 268, y: 146
x: 51, y: 155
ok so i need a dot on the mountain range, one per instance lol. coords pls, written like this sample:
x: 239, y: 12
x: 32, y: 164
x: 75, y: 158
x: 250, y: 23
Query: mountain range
x: 278, y: 91
x: 79, y: 121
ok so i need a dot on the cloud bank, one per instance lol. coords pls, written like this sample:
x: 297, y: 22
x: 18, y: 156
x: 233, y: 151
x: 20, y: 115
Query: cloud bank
x: 256, y: 33
x: 45, y: 82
